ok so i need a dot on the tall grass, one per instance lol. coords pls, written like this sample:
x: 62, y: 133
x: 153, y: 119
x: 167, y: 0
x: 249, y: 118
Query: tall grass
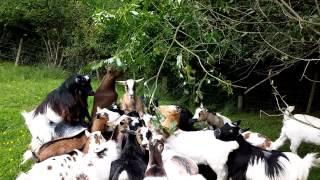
x: 23, y: 88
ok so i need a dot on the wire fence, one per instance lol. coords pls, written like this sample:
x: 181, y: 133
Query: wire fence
x: 30, y: 53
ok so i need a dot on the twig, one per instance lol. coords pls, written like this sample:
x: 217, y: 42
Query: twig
x: 164, y: 59
x: 304, y: 70
x: 205, y: 70
x: 271, y: 115
x: 259, y: 83
x: 298, y: 58
x: 312, y: 80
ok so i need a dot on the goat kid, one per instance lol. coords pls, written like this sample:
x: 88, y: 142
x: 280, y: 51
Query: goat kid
x: 214, y: 119
x: 96, y: 164
x: 258, y: 140
x: 92, y: 165
x: 155, y: 169
x: 250, y: 162
x: 131, y: 164
x: 66, y: 145
x: 131, y: 102
x: 203, y: 148
x: 106, y: 93
x: 66, y: 103
x: 296, y: 129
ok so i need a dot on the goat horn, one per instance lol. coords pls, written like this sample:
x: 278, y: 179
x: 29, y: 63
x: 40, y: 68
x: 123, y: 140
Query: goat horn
x: 138, y: 80
x: 121, y: 82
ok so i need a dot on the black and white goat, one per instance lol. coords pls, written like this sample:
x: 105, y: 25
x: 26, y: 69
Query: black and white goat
x: 203, y: 148
x: 250, y: 162
x: 131, y: 164
x: 67, y: 105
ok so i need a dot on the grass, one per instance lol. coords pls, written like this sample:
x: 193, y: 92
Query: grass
x: 23, y: 88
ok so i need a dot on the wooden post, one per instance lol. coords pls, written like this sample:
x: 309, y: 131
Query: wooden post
x: 19, y: 52
x: 313, y: 89
x: 240, y: 102
x: 164, y: 84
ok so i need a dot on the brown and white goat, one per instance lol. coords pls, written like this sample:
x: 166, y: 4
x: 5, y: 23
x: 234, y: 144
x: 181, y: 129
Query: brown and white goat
x: 95, y: 164
x: 155, y: 165
x: 171, y: 115
x: 106, y: 93
x: 131, y: 102
x: 67, y: 145
x: 257, y: 140
x: 214, y: 120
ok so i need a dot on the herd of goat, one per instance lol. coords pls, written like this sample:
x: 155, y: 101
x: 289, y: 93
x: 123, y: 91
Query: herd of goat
x: 122, y: 142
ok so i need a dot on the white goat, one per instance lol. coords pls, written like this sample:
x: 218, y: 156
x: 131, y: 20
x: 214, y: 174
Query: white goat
x: 203, y: 148
x: 296, y: 129
x: 131, y: 102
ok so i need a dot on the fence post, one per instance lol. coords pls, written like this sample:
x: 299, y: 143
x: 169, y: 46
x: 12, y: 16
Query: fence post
x: 240, y: 102
x: 19, y: 51
x: 312, y: 92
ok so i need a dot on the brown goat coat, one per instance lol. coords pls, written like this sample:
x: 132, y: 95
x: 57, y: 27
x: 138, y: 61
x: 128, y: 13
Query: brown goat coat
x: 106, y: 93
x: 211, y: 119
x: 171, y: 116
x: 67, y: 145
x: 155, y: 164
x: 132, y: 104
x: 61, y: 146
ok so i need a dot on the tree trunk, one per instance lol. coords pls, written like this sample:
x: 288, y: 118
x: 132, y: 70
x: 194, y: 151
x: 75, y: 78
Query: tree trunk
x: 19, y: 52
x: 313, y: 89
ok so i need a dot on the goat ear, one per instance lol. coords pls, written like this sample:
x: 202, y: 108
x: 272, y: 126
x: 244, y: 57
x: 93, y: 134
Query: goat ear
x: 98, y: 108
x: 121, y: 82
x: 77, y: 80
x: 243, y: 130
x: 290, y: 108
x: 160, y: 147
x: 87, y: 133
x: 201, y: 105
x: 237, y: 123
x: 138, y: 80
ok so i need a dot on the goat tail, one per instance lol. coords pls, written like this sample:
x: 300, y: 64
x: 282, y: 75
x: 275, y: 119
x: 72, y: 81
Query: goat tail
x: 22, y: 176
x: 311, y: 160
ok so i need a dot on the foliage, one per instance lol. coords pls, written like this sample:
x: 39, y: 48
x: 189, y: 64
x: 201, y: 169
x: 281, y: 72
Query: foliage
x: 202, y: 44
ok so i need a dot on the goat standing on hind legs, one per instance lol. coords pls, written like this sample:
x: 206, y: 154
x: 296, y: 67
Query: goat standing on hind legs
x: 131, y: 102
x: 106, y: 93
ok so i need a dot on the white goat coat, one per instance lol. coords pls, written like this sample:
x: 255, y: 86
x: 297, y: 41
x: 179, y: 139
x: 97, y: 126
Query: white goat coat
x: 298, y: 132
x: 203, y: 148
x: 53, y: 168
x: 97, y: 167
x: 294, y: 169
x: 41, y: 126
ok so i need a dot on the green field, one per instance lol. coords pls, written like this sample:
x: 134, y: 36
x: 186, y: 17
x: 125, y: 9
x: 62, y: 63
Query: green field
x: 23, y: 88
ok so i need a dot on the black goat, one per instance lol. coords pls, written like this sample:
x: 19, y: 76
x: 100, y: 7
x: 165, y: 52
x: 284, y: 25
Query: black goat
x: 69, y: 101
x: 131, y: 164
